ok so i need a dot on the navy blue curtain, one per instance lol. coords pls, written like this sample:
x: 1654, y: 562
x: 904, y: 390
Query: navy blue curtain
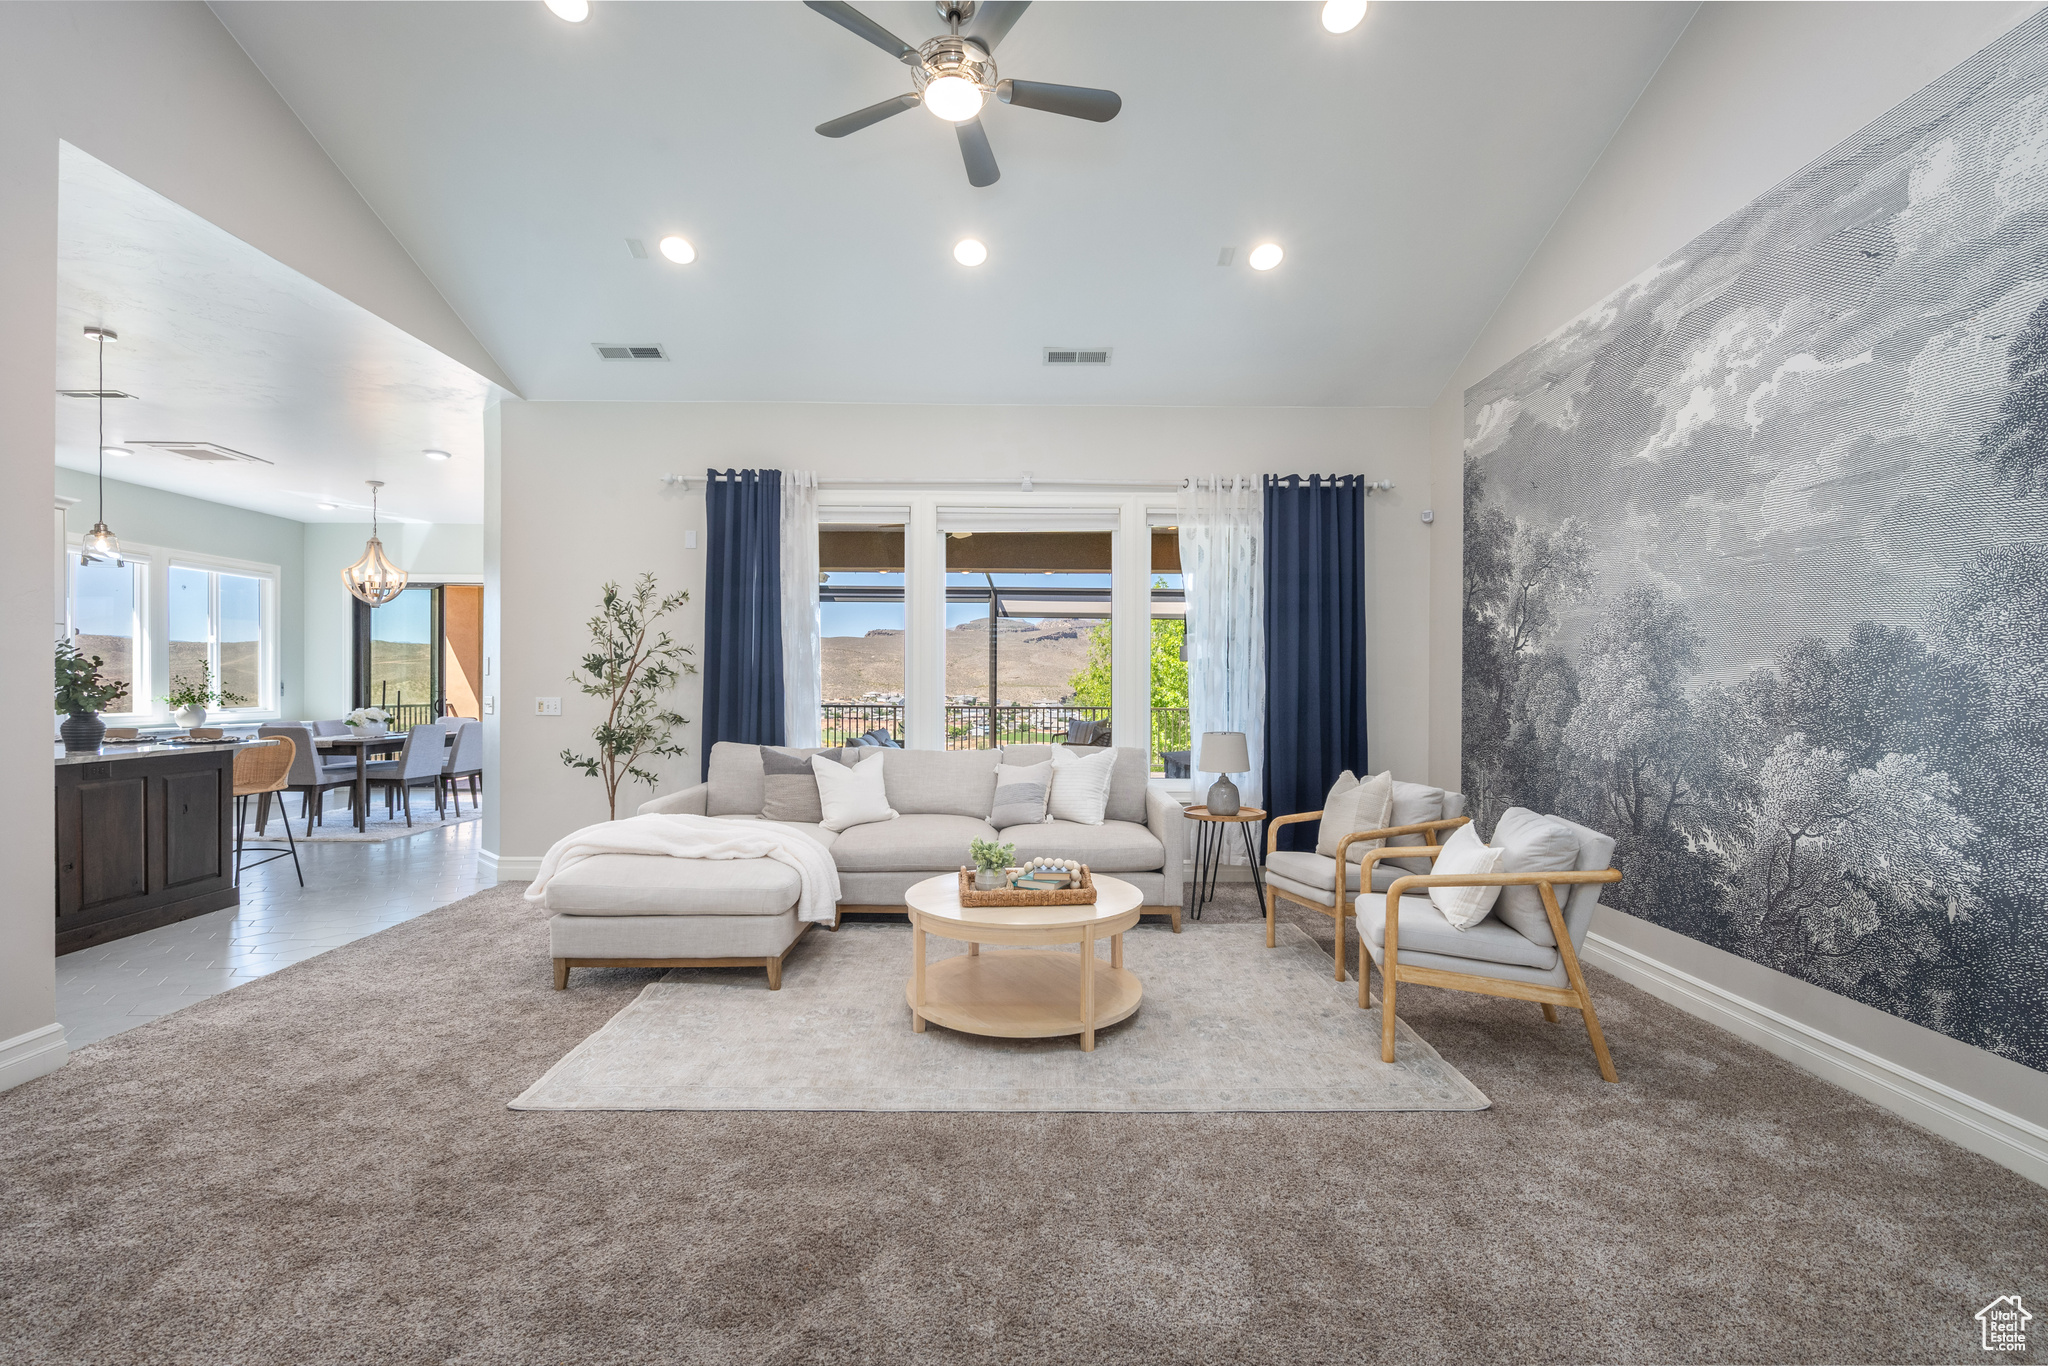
x: 1315, y: 642
x: 742, y: 609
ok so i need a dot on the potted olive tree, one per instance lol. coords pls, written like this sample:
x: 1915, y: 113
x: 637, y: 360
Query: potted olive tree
x: 630, y: 665
x: 82, y: 694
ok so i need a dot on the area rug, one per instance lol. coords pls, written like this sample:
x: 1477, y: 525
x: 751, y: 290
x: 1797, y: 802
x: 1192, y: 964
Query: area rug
x: 340, y: 827
x: 1227, y: 1025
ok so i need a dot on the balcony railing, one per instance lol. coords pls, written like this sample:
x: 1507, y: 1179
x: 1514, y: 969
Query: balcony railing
x: 971, y: 726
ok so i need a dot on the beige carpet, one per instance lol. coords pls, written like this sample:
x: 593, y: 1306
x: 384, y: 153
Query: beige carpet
x: 319, y: 1167
x: 1226, y: 1025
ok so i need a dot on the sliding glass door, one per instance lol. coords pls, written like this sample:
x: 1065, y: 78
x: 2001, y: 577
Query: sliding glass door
x: 419, y: 655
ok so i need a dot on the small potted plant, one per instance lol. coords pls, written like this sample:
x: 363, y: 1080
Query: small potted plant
x: 992, y: 864
x: 188, y: 700
x: 368, y: 721
x: 82, y: 694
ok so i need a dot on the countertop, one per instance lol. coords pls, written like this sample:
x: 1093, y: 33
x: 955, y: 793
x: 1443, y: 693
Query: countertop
x: 144, y: 749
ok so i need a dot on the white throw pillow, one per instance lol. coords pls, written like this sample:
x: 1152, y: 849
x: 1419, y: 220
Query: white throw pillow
x: 1348, y: 809
x: 1465, y: 852
x: 1530, y: 843
x: 1080, y: 787
x: 851, y: 796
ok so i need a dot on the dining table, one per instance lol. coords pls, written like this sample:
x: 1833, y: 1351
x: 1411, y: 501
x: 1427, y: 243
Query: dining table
x: 382, y: 742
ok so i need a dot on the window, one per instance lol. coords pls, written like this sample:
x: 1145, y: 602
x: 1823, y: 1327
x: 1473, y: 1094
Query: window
x: 419, y: 656
x: 105, y: 614
x: 860, y: 631
x: 219, y: 624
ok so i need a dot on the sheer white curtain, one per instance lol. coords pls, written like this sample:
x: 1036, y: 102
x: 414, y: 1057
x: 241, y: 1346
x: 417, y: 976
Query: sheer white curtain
x: 799, y: 608
x: 1221, y: 522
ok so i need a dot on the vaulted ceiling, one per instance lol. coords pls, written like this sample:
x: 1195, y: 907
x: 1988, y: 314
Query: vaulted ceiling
x: 1409, y: 168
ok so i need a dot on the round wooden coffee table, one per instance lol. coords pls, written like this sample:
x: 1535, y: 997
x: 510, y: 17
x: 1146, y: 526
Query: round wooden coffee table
x: 1025, y: 993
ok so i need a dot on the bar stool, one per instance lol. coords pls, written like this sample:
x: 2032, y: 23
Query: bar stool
x: 261, y: 770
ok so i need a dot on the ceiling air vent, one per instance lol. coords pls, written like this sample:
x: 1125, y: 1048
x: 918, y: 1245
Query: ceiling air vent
x: 93, y: 393
x: 623, y: 351
x: 1069, y: 355
x: 204, y: 452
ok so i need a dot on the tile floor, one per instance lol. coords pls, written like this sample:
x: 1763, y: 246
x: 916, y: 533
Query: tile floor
x: 351, y: 890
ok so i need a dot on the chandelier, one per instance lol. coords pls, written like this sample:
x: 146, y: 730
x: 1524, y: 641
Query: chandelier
x: 374, y: 578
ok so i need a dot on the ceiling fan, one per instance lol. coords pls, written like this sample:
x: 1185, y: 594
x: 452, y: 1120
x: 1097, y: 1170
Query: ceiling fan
x: 955, y: 73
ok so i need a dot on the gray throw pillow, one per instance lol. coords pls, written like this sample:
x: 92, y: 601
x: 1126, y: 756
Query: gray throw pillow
x: 1021, y: 792
x: 789, y: 789
x: 1531, y: 843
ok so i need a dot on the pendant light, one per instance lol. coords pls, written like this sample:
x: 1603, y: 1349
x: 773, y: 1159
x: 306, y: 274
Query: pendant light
x: 100, y: 545
x: 374, y: 578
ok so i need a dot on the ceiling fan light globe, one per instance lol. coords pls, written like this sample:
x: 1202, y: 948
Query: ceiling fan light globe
x: 1341, y: 16
x: 953, y: 98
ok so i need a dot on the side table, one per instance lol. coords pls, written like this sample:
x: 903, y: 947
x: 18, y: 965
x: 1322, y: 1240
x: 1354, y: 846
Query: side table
x: 1209, y: 851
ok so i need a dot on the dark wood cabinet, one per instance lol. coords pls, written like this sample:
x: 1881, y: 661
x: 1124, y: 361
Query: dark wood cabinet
x: 142, y: 840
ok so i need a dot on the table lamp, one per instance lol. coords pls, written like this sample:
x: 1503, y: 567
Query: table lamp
x: 1223, y: 752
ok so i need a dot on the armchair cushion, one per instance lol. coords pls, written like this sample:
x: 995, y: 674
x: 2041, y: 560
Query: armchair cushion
x: 1530, y: 843
x: 1425, y: 930
x: 1314, y: 870
x: 1413, y: 804
x: 1464, y: 852
x: 1355, y: 805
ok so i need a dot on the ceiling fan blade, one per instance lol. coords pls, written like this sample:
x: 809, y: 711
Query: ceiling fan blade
x: 861, y: 118
x: 853, y: 21
x: 993, y: 20
x: 975, y: 151
x: 1075, y: 101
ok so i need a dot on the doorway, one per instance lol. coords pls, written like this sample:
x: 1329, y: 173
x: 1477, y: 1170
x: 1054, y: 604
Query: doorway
x: 420, y: 655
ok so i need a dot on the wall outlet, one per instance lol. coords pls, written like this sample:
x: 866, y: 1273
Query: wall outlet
x: 547, y: 706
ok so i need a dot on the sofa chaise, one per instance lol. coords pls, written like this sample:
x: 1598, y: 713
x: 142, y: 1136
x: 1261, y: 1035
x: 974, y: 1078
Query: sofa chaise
x: 633, y: 910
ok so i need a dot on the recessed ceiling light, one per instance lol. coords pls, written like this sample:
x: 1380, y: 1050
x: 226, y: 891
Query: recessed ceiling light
x: 328, y: 507
x: 437, y: 455
x: 969, y: 252
x: 576, y: 11
x: 115, y: 451
x: 1339, y: 16
x: 678, y: 250
x: 1265, y: 256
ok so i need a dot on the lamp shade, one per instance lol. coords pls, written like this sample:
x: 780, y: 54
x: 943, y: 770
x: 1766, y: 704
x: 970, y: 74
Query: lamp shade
x: 1224, y: 751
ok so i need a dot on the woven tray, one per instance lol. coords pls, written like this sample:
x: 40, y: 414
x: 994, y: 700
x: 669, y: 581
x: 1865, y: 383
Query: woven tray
x: 1081, y: 895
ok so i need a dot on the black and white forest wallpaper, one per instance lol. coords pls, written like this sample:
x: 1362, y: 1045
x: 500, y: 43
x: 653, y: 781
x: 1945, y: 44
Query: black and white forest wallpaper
x: 1756, y: 569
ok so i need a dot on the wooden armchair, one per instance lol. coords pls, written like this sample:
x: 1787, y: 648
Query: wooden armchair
x: 1490, y: 958
x: 1312, y: 880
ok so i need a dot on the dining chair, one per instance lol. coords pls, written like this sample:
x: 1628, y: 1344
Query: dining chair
x: 313, y: 775
x: 259, y: 771
x: 465, y: 760
x: 418, y: 765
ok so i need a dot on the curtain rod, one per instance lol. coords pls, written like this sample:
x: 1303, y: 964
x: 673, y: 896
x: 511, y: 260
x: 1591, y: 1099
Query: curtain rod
x: 1024, y: 483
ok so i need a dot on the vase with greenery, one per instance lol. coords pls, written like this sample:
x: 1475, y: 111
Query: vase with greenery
x: 991, y: 864
x: 82, y: 694
x: 631, y: 663
x: 189, y: 701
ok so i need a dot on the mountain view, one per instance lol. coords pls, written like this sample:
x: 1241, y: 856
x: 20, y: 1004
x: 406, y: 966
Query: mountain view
x: 1038, y: 659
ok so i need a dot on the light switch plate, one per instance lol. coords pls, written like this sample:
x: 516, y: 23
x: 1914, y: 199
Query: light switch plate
x: 547, y: 706
x: 491, y: 709
x: 689, y: 540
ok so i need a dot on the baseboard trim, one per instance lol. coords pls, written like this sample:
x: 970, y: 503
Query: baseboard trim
x: 36, y: 1053
x: 498, y: 868
x: 2005, y: 1138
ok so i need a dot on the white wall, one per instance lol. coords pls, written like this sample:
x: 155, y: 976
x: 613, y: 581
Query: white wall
x: 161, y: 93
x: 577, y: 499
x: 429, y: 552
x: 1749, y: 95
